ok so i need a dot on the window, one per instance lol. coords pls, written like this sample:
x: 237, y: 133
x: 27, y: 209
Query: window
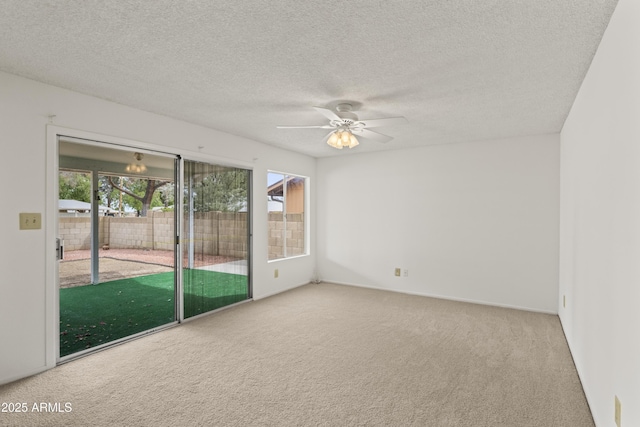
x: 286, y: 207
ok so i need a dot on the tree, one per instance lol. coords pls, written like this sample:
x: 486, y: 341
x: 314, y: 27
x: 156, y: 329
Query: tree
x: 139, y: 192
x: 74, y: 186
x: 167, y: 196
x: 222, y: 191
x: 110, y: 195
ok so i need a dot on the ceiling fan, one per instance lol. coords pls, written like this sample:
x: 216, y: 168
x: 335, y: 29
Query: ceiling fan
x: 345, y: 126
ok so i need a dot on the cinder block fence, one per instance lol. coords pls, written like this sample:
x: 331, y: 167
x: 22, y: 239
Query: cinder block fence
x: 217, y: 233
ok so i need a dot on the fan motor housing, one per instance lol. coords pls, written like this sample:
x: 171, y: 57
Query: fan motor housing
x: 345, y: 112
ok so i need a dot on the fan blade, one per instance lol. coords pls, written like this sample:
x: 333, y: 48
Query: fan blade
x: 305, y: 127
x: 369, y: 134
x: 389, y: 121
x: 327, y: 113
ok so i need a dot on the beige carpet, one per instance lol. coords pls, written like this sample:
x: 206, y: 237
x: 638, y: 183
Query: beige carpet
x: 323, y: 355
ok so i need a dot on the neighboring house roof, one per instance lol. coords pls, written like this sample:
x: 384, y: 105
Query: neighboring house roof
x: 76, y: 205
x: 275, y: 189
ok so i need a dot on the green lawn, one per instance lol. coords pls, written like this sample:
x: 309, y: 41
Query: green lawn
x: 96, y: 314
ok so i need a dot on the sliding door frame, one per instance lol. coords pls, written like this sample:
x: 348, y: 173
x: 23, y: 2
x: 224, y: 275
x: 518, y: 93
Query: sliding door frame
x: 249, y: 236
x: 177, y: 211
x: 96, y: 168
x: 52, y: 303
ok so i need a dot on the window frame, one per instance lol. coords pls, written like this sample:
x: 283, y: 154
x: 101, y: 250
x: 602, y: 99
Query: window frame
x: 286, y: 176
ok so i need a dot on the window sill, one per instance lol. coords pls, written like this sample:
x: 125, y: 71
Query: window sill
x: 287, y: 258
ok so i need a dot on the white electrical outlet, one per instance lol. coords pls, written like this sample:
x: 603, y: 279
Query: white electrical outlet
x: 405, y: 273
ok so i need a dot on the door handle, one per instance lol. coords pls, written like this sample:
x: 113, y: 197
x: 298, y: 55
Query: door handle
x: 59, y: 249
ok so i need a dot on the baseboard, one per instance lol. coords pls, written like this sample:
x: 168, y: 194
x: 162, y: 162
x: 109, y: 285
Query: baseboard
x: 573, y: 359
x: 27, y: 374
x: 255, y: 298
x: 446, y: 297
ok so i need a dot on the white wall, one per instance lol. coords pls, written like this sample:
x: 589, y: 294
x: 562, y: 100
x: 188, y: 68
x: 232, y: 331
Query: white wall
x: 600, y: 223
x: 474, y: 221
x: 24, y: 107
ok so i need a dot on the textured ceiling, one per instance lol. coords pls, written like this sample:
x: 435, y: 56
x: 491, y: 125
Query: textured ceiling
x: 458, y: 70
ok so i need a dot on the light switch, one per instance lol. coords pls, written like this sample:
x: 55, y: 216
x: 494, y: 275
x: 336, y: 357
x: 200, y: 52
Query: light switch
x: 30, y: 221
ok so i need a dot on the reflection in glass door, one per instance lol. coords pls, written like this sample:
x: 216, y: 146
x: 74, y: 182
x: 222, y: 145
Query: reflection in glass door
x: 116, y: 222
x: 215, y: 243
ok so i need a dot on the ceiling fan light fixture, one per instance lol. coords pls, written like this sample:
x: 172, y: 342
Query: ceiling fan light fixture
x: 344, y: 122
x: 342, y: 138
x: 353, y: 141
x: 335, y: 140
x: 138, y: 166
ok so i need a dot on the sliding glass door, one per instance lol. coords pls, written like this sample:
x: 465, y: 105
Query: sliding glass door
x: 116, y: 219
x: 146, y: 240
x: 215, y: 243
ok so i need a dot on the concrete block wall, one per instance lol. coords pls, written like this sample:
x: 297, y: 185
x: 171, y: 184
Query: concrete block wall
x: 275, y: 239
x: 294, y: 235
x: 163, y: 230
x: 216, y: 233
x: 130, y: 232
x: 205, y: 231
x: 232, y: 234
x: 75, y: 232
